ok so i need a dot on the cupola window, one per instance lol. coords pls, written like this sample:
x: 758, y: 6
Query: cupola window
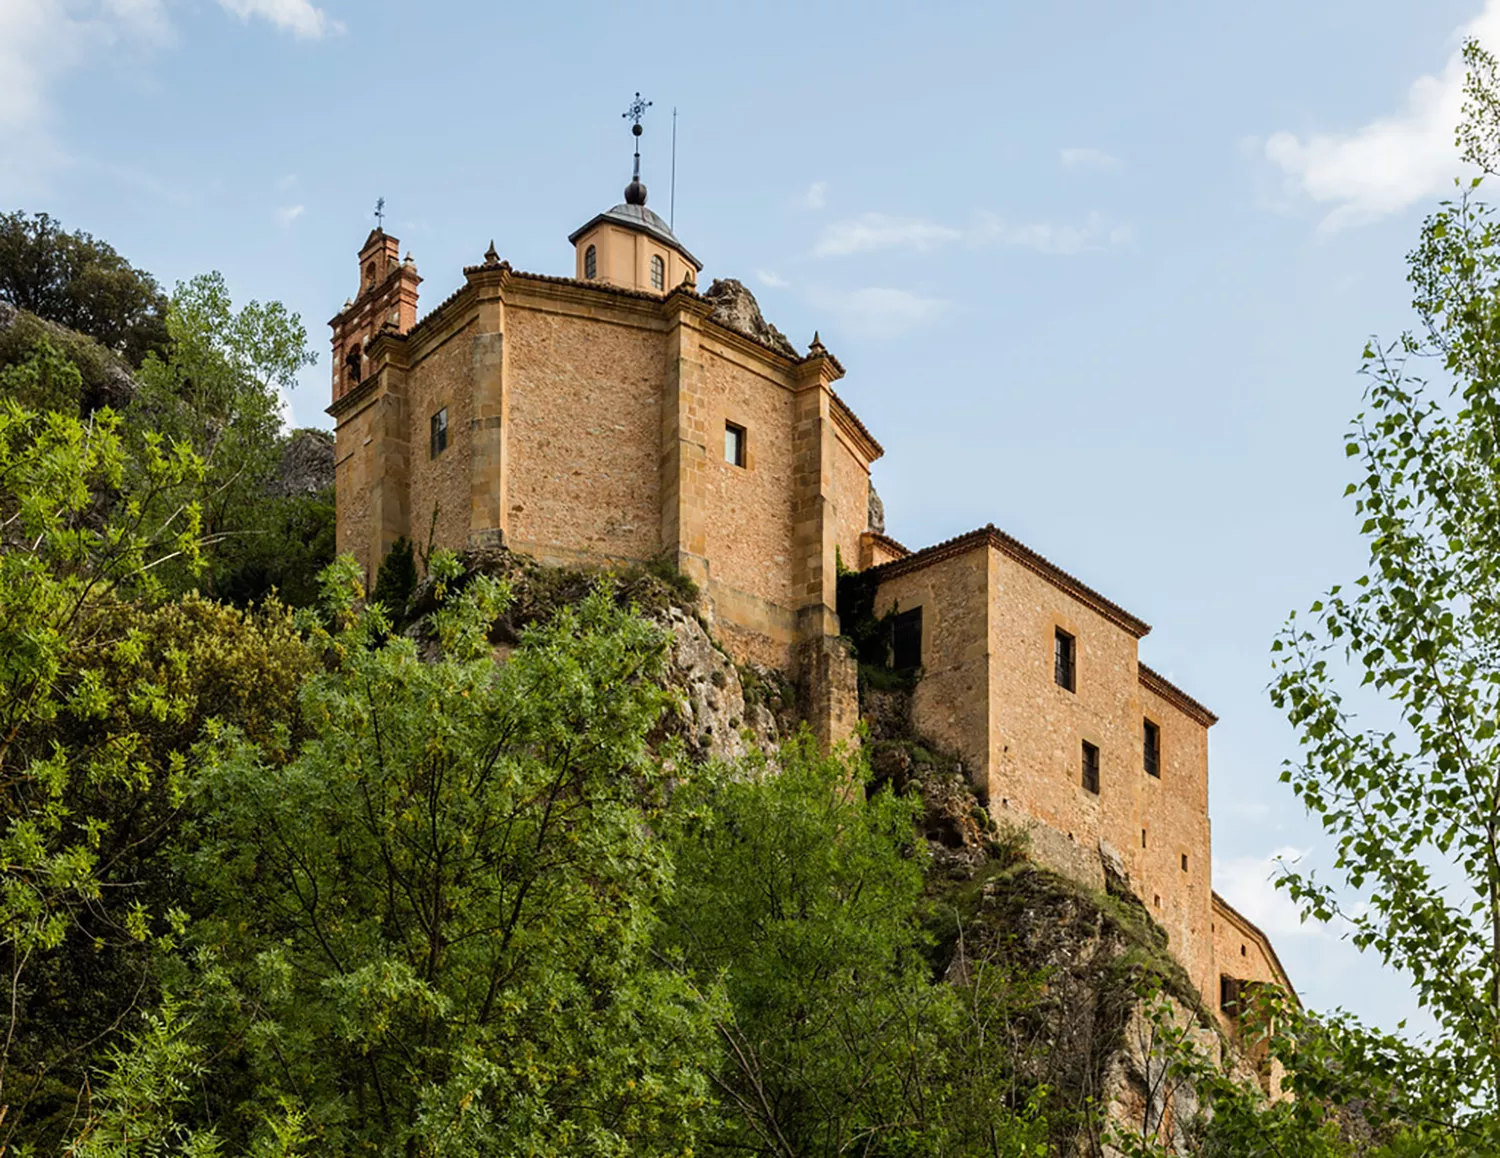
x: 591, y: 263
x: 658, y: 272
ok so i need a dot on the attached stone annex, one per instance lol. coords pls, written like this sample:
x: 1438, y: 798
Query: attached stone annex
x: 621, y: 416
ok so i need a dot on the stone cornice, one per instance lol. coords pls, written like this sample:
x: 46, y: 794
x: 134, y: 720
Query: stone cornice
x: 1175, y: 696
x: 998, y: 540
x: 352, y: 398
x: 1224, y: 909
x: 850, y: 424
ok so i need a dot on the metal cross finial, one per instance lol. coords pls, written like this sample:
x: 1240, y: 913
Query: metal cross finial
x: 380, y: 212
x: 636, y: 111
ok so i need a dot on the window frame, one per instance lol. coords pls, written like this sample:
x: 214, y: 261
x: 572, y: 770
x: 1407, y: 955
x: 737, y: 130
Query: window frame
x: 1065, y: 660
x: 1151, y: 747
x: 437, y: 432
x: 1089, y: 773
x: 658, y: 272
x: 591, y: 263
x: 740, y: 440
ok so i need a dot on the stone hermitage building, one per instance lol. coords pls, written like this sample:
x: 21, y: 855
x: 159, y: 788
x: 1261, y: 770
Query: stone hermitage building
x: 620, y: 415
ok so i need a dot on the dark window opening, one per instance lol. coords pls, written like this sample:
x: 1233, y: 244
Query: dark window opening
x: 1091, y: 768
x: 1242, y: 952
x: 369, y: 275
x: 658, y: 273
x: 906, y: 640
x: 1064, y: 657
x: 1143, y: 838
x: 591, y: 263
x: 1231, y: 995
x: 1153, y: 749
x: 351, y: 366
x: 734, y: 444
x: 440, y: 432
x: 1184, y: 862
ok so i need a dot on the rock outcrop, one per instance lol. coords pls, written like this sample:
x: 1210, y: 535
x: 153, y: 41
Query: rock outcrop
x: 736, y: 307
x: 306, y: 465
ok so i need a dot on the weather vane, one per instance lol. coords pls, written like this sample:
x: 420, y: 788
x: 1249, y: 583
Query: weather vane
x: 634, y: 114
x: 380, y: 212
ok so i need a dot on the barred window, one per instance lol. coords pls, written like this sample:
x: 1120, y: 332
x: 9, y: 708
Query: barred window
x: 1091, y: 768
x: 591, y: 263
x: 440, y: 432
x: 1064, y: 657
x: 658, y: 273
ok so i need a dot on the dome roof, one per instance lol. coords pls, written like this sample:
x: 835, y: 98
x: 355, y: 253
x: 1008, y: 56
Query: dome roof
x: 642, y: 220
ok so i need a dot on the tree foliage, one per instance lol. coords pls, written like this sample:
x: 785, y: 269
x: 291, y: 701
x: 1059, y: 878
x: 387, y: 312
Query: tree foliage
x: 438, y: 916
x: 77, y: 281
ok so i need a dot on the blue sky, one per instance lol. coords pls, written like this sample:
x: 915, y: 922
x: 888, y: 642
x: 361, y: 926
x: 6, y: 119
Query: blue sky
x: 1099, y: 273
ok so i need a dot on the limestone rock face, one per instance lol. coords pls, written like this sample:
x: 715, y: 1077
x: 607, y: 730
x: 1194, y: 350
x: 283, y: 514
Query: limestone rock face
x: 736, y: 307
x: 306, y: 465
x: 876, y: 518
x: 713, y: 715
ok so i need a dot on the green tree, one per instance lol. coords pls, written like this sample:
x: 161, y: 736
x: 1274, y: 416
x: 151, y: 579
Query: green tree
x: 218, y: 390
x: 803, y: 899
x: 435, y: 923
x: 1410, y: 792
x: 62, y: 572
x: 80, y: 282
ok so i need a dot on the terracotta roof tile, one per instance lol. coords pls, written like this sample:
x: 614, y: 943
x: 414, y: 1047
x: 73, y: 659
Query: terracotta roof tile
x: 1172, y: 693
x: 992, y: 537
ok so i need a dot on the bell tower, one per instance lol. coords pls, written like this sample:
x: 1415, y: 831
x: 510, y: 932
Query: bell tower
x: 387, y: 299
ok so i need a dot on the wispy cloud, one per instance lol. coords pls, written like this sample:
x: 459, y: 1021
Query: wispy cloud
x: 41, y: 41
x: 882, y: 312
x: 1394, y: 161
x: 1248, y: 883
x: 1094, y: 232
x: 299, y: 17
x: 816, y: 196
x: 1088, y: 160
x: 877, y: 231
x: 289, y: 213
x: 769, y: 278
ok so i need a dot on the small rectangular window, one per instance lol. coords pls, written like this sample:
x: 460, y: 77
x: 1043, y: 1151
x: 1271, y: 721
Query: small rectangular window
x: 1152, y: 740
x: 1064, y: 656
x: 734, y: 444
x: 1184, y: 862
x: 1091, y: 768
x: 440, y: 432
x: 906, y: 640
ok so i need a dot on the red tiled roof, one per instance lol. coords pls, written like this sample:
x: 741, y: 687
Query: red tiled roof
x: 1174, y: 694
x: 989, y: 536
x: 1221, y: 903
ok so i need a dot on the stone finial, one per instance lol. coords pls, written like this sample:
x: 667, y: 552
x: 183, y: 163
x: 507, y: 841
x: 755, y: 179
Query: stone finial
x: 817, y: 346
x: 408, y: 260
x: 491, y: 255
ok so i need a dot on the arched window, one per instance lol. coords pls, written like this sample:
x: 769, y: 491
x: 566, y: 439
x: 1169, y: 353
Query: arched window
x: 590, y: 263
x: 369, y: 275
x: 658, y: 273
x: 351, y: 364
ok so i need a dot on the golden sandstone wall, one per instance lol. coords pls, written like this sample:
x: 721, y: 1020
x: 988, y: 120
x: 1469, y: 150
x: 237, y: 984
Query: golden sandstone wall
x: 990, y: 612
x: 586, y: 424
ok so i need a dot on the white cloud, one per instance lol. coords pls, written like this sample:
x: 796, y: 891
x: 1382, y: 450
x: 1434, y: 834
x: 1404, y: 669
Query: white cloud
x: 882, y: 312
x: 1247, y: 883
x: 816, y: 196
x: 289, y: 213
x: 877, y: 231
x: 1088, y: 160
x: 299, y: 17
x: 1394, y: 161
x: 767, y: 277
x: 40, y: 42
x: 1094, y: 232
